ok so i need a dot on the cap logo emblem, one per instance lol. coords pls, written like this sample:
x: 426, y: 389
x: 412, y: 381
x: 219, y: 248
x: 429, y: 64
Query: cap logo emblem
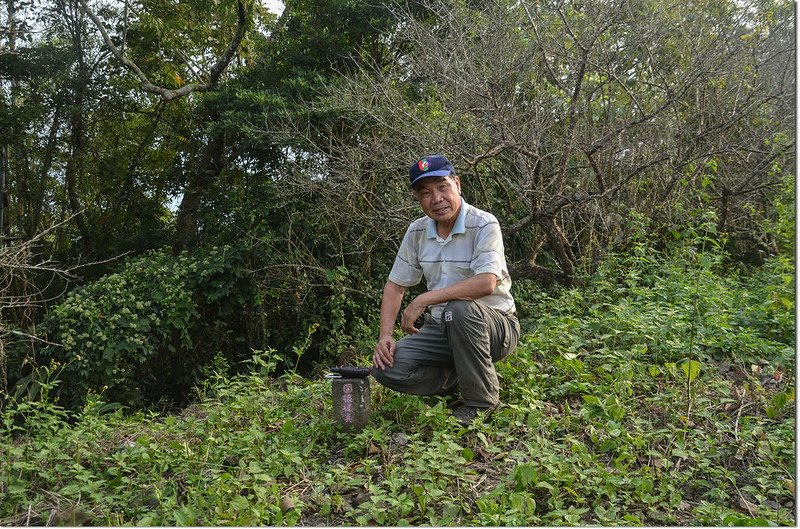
x: 423, y: 165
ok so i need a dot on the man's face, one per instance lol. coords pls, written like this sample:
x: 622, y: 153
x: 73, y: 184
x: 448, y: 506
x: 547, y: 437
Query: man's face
x: 440, y: 197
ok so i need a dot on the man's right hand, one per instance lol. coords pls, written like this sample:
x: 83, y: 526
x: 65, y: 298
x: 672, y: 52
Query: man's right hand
x: 384, y: 353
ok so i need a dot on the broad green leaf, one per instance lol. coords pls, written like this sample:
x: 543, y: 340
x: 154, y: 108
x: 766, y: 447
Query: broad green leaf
x: 691, y: 369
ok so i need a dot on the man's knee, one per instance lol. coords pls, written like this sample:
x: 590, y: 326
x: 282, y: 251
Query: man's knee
x: 396, y: 376
x: 459, y: 310
x: 384, y: 376
x: 379, y: 374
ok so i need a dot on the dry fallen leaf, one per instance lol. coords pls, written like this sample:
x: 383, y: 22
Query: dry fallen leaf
x: 486, y: 456
x: 286, y: 503
x: 550, y: 409
x: 747, y: 505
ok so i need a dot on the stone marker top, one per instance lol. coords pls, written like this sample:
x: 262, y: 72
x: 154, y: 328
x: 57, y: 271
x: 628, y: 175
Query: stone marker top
x: 352, y: 371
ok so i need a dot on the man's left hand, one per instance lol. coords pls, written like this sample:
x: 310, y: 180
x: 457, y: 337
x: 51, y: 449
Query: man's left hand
x: 410, y: 316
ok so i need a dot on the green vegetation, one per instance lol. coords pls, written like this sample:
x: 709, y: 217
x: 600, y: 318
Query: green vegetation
x: 285, y: 138
x: 660, y: 393
x: 134, y: 330
x: 181, y: 258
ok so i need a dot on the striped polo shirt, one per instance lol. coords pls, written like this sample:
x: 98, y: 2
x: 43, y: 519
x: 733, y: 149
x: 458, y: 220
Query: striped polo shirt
x: 474, y: 246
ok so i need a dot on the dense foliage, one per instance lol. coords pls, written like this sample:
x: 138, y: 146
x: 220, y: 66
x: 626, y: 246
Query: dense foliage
x: 133, y: 333
x: 128, y: 128
x: 200, y: 203
x: 661, y: 393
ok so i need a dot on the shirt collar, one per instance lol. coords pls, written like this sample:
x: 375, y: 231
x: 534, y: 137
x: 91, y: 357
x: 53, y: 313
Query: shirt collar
x: 458, y: 227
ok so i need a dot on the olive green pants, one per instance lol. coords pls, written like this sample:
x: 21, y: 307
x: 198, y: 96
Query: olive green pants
x: 460, y: 349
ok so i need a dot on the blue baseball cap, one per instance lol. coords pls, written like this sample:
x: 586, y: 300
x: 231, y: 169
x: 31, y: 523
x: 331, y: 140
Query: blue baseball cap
x: 433, y: 165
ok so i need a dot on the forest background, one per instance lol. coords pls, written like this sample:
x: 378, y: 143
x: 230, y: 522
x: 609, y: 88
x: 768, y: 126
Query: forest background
x: 195, y: 191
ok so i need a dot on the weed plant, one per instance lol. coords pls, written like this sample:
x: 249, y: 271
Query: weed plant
x: 660, y: 394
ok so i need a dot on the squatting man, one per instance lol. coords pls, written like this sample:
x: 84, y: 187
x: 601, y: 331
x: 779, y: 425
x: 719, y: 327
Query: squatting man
x: 469, y: 315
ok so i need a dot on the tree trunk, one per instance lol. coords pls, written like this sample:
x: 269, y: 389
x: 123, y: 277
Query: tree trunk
x: 75, y: 169
x: 210, y: 165
x: 75, y: 165
x: 126, y: 192
x: 32, y: 199
x: 558, y: 244
x: 5, y: 155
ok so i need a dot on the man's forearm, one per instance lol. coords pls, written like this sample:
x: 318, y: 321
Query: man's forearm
x: 390, y: 307
x: 470, y: 289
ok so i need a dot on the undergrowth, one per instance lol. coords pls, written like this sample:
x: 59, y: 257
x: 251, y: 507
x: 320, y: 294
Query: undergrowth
x: 661, y: 395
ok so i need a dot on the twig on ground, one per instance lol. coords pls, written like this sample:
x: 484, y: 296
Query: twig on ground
x: 738, y: 415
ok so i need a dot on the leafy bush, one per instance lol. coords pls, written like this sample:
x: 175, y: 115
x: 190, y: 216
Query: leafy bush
x: 136, y: 334
x: 658, y: 301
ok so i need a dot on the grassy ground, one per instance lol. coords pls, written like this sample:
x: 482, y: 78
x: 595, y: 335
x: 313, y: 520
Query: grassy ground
x: 661, y: 396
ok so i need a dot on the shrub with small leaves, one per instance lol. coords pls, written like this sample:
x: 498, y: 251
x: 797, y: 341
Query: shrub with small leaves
x: 133, y: 333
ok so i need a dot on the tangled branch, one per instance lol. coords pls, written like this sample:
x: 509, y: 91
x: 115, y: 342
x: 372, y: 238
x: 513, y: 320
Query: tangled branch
x: 166, y: 93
